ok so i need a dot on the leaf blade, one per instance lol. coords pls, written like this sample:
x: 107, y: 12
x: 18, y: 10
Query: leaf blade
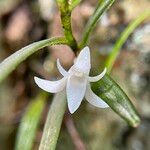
x: 108, y: 90
x: 53, y: 122
x: 123, y: 37
x: 102, y: 7
x: 11, y: 62
x: 29, y: 123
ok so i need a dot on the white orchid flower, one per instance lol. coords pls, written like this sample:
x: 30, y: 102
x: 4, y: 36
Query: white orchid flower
x: 76, y: 82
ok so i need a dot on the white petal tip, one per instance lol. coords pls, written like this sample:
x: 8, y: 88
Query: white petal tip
x: 61, y: 69
x: 86, y: 50
x: 58, y: 61
x: 72, y: 109
x: 86, y: 47
x: 104, y: 72
x: 36, y: 79
x: 100, y: 103
x: 104, y: 106
x: 93, y: 99
x: 51, y: 86
x: 98, y: 77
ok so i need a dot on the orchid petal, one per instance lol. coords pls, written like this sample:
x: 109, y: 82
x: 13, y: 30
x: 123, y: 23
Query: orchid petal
x: 61, y: 69
x: 51, y: 86
x: 82, y: 63
x: 93, y: 99
x: 76, y: 88
x: 98, y: 77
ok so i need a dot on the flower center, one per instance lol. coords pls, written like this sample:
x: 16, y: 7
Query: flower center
x: 78, y: 74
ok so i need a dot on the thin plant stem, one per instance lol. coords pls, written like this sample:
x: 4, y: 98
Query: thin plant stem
x: 73, y: 4
x: 66, y: 23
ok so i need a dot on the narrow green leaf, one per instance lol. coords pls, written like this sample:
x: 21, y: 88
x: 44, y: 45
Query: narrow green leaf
x: 103, y: 6
x: 113, y: 95
x: 122, y: 39
x: 53, y: 122
x: 11, y: 62
x: 29, y: 123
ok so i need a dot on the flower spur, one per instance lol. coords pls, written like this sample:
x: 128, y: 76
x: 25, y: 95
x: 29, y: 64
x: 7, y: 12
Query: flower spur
x: 76, y: 82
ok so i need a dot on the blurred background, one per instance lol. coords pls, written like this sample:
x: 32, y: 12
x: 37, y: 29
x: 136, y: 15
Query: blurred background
x: 25, y: 21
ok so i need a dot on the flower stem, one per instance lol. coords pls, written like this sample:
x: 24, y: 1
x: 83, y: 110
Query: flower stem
x: 102, y: 7
x: 66, y: 23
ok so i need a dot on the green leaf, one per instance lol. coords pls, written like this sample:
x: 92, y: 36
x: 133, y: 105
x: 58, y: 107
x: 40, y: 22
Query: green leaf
x: 122, y: 39
x: 11, y: 62
x: 102, y: 7
x: 29, y: 123
x: 114, y: 96
x: 53, y: 122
